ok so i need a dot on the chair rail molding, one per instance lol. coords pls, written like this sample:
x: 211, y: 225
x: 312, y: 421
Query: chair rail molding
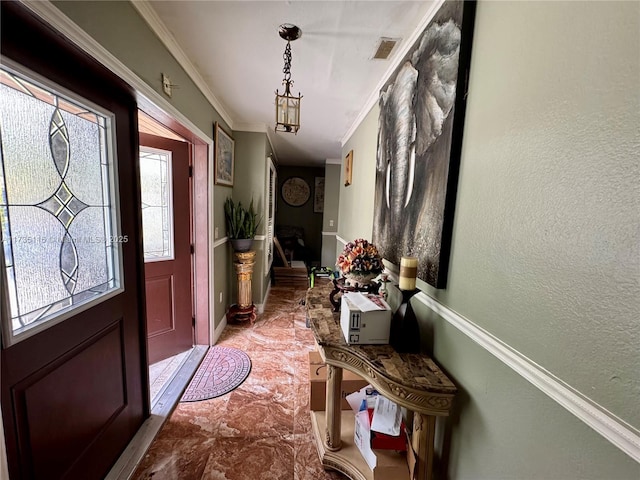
x: 614, y: 429
x: 341, y: 240
x: 220, y: 241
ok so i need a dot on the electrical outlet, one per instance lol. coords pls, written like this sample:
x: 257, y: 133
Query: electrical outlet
x: 220, y: 297
x: 166, y: 85
x: 215, y: 233
x: 331, y: 223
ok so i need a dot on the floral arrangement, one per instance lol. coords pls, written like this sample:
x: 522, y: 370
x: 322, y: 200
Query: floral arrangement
x: 360, y: 258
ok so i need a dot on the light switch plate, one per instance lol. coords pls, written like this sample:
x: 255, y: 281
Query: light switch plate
x: 166, y: 85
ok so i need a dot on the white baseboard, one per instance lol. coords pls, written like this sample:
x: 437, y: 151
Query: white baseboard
x: 614, y: 429
x: 219, y: 329
x: 260, y: 306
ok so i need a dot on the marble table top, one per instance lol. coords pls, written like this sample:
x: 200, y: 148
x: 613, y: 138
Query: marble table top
x: 417, y: 372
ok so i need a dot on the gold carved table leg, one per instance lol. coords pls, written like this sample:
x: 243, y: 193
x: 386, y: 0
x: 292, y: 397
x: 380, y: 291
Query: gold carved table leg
x: 334, y: 388
x: 424, y: 429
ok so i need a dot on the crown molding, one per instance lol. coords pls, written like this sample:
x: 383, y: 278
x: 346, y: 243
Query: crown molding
x: 54, y: 17
x: 397, y: 58
x: 333, y: 161
x: 250, y: 127
x: 257, y: 128
x: 270, y: 132
x: 150, y: 16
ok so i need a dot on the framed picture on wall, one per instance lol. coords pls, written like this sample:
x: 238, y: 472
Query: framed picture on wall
x: 422, y: 108
x: 223, y: 156
x: 348, y: 168
x: 295, y: 191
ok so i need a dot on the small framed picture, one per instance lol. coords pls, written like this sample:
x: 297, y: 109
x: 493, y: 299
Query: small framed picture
x: 223, y: 156
x: 348, y: 168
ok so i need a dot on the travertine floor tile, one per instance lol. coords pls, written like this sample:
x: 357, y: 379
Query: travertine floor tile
x: 238, y: 458
x: 262, y: 429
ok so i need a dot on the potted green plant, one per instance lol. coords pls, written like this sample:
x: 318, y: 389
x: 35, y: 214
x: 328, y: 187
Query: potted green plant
x: 242, y: 224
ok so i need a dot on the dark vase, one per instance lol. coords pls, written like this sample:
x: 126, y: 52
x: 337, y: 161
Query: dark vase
x: 404, y: 336
x: 241, y: 244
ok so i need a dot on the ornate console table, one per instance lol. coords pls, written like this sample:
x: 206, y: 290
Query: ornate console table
x: 411, y: 380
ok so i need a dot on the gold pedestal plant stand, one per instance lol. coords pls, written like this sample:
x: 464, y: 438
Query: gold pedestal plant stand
x: 244, y: 310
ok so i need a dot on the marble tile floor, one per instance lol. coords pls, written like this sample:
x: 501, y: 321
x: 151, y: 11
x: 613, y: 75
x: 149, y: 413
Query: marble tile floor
x: 262, y: 429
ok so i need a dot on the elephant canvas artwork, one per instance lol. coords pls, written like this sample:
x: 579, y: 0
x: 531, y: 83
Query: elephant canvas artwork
x: 419, y: 141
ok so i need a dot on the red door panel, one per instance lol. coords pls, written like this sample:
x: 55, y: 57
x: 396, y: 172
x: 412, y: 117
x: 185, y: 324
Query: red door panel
x: 168, y: 283
x: 160, y: 312
x: 88, y: 380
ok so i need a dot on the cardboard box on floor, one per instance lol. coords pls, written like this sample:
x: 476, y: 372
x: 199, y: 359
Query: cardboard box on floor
x: 318, y: 381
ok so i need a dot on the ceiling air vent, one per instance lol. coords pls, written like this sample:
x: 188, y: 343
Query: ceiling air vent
x: 384, y: 48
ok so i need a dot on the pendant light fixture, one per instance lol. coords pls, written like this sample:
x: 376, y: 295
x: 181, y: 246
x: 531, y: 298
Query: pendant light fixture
x: 287, y: 105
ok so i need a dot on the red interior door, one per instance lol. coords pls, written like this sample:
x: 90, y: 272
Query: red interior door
x: 168, y: 278
x: 74, y: 389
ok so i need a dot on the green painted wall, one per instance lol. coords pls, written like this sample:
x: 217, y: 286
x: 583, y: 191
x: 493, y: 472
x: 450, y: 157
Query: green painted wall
x: 331, y: 208
x: 304, y: 215
x: 250, y: 183
x: 545, y: 252
x: 222, y: 257
x: 546, y: 244
x: 118, y: 27
x: 356, y: 200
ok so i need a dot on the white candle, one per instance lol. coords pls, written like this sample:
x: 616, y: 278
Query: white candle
x: 408, y: 273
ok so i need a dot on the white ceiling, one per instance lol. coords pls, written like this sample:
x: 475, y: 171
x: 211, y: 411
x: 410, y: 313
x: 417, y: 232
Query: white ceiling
x: 235, y: 53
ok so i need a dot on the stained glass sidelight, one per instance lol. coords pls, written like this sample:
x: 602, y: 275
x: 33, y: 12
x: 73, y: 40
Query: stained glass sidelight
x: 157, y: 218
x: 59, y: 234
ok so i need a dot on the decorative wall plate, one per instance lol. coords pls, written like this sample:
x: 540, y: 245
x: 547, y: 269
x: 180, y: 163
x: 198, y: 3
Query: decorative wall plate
x: 295, y: 191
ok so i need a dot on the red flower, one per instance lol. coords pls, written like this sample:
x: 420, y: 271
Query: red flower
x: 360, y: 256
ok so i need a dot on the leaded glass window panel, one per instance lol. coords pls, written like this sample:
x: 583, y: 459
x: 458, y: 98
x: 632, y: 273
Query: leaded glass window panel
x: 58, y: 222
x: 157, y: 215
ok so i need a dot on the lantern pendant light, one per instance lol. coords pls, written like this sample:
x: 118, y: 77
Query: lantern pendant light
x: 288, y: 105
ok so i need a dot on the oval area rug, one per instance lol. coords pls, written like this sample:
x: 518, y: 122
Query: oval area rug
x: 222, y: 370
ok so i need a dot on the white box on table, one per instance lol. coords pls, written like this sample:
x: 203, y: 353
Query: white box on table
x: 365, y: 327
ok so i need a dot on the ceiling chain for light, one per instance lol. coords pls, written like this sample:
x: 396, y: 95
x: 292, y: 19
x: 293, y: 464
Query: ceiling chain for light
x: 287, y: 64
